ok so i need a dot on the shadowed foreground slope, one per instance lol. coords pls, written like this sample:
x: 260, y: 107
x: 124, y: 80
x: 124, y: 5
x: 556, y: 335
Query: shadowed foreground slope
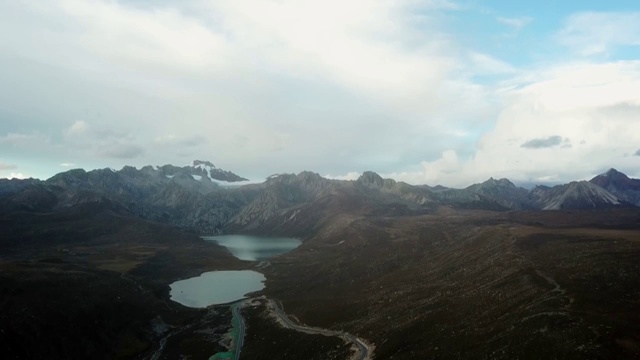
x: 93, y: 284
x: 468, y: 284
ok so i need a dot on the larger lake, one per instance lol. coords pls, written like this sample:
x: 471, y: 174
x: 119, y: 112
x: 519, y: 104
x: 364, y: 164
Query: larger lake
x: 216, y: 287
x: 255, y: 248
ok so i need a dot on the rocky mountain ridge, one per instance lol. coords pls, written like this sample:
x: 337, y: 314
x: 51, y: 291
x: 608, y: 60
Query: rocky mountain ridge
x: 198, y: 198
x: 620, y: 185
x: 575, y: 195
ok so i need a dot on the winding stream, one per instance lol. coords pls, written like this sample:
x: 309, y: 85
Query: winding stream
x: 226, y: 287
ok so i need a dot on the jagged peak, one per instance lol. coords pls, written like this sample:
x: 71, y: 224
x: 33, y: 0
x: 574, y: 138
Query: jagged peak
x: 370, y: 177
x: 309, y: 175
x: 612, y: 173
x: 203, y: 163
x: 501, y: 182
x: 611, y: 177
x: 491, y: 182
x: 373, y: 179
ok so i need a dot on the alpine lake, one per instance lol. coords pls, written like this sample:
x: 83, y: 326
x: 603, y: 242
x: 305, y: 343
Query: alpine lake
x: 222, y: 287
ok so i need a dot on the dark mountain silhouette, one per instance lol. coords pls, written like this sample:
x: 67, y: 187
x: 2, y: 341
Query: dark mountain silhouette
x: 620, y: 185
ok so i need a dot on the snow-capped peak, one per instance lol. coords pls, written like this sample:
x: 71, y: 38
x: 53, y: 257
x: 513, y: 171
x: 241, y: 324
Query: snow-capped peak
x: 609, y: 172
x: 206, y: 165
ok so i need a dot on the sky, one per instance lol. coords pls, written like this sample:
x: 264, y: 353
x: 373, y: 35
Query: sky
x: 422, y: 91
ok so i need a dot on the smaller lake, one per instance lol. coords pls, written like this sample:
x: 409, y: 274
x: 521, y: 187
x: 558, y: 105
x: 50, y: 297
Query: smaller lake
x: 216, y: 287
x: 255, y: 248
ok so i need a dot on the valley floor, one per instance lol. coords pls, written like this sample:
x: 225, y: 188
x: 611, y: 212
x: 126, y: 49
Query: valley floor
x: 452, y: 284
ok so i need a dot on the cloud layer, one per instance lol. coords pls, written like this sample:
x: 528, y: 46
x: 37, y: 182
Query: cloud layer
x: 266, y: 86
x: 599, y: 33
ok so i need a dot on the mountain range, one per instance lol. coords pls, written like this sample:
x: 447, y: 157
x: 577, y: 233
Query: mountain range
x: 489, y: 271
x: 205, y: 199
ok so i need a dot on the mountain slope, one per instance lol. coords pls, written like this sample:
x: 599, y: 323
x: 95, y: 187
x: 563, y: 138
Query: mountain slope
x: 297, y: 204
x: 412, y: 195
x: 575, y: 195
x: 492, y: 194
x: 620, y: 185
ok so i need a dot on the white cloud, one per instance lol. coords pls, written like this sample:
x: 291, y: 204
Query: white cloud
x: 260, y: 85
x: 598, y: 33
x: 14, y: 175
x: 21, y: 141
x: 79, y: 128
x: 516, y: 23
x: 160, y: 39
x: 101, y: 141
x: 5, y: 171
x: 485, y: 64
x: 447, y: 170
x: 67, y: 165
x: 349, y: 176
x: 592, y: 109
x: 264, y: 86
x: 370, y: 47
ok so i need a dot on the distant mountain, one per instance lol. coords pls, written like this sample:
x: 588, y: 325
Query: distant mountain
x: 200, y: 197
x: 10, y: 186
x: 575, y: 195
x: 202, y: 171
x: 503, y: 192
x: 191, y: 197
x: 436, y: 188
x: 417, y: 195
x: 209, y: 170
x: 28, y: 196
x: 296, y: 204
x: 280, y: 200
x: 620, y: 185
x: 492, y: 194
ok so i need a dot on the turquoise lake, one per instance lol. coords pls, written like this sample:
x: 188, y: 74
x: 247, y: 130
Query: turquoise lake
x: 255, y: 248
x: 216, y: 287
